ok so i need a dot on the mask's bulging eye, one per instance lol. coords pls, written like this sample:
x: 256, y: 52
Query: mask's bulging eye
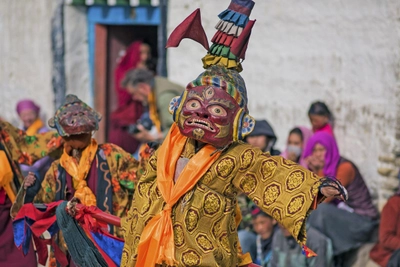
x: 217, y: 110
x: 193, y: 104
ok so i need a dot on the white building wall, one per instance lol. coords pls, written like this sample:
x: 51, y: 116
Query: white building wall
x: 25, y: 55
x: 345, y: 53
x: 77, y: 53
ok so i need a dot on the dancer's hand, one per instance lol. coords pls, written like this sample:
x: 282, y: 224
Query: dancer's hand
x: 30, y: 180
x: 331, y: 187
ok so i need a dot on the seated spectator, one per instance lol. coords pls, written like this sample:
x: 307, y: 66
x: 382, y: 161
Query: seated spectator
x: 28, y: 112
x: 387, y: 251
x: 135, y: 56
x: 287, y: 253
x: 349, y: 225
x: 321, y: 118
x: 246, y: 234
x: 263, y: 137
x: 128, y: 110
x: 296, y: 144
x: 264, y: 225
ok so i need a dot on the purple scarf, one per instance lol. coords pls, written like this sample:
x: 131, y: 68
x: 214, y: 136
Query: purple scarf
x: 332, y: 156
x: 27, y: 104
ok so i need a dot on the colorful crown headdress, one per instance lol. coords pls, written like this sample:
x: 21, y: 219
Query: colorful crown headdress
x: 229, y: 42
x: 223, y: 60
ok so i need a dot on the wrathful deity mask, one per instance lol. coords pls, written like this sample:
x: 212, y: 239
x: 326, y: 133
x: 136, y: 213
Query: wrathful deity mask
x: 75, y: 117
x: 207, y: 115
x: 213, y: 109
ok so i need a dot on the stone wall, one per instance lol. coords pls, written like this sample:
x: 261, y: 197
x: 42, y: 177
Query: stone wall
x: 345, y: 53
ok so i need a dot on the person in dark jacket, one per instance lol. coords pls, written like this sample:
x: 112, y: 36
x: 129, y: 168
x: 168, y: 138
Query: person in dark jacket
x: 263, y: 136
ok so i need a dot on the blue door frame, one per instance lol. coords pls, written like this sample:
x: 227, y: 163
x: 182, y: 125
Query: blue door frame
x: 121, y: 15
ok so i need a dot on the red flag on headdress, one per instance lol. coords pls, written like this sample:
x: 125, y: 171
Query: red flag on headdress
x: 190, y: 28
x: 239, y: 46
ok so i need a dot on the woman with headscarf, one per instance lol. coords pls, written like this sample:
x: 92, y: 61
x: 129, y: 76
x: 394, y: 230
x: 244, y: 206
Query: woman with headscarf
x: 28, y: 112
x: 296, y: 144
x: 387, y: 251
x: 321, y: 118
x: 349, y: 224
x: 129, y: 110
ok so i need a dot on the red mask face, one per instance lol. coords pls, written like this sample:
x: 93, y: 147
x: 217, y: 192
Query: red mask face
x: 208, y: 115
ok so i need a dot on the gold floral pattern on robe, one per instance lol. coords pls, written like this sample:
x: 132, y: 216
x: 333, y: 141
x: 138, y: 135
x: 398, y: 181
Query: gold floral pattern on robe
x: 27, y: 149
x: 205, y: 231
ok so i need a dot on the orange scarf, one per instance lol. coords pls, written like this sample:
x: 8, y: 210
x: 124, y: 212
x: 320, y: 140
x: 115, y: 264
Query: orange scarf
x: 35, y: 127
x: 156, y: 243
x: 79, y: 171
x: 6, y: 176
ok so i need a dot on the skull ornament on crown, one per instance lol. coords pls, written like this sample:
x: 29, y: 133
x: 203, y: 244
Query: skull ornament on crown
x: 213, y: 108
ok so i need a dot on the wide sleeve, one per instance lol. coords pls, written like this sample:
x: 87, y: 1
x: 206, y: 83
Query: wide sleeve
x: 390, y: 225
x: 280, y: 187
x: 26, y: 149
x: 123, y: 167
x: 44, y: 192
x: 47, y: 191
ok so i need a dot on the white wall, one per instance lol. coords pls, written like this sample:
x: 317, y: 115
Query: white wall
x: 345, y: 53
x: 25, y: 55
x: 77, y: 53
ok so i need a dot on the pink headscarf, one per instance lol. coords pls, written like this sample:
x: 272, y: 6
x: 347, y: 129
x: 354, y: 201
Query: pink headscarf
x: 27, y: 104
x: 327, y: 129
x: 307, y: 133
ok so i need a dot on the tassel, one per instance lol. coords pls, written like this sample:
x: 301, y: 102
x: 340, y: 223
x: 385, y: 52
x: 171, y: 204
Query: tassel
x: 223, y: 51
x: 306, y: 251
x: 210, y: 60
x: 234, y: 17
x: 229, y: 28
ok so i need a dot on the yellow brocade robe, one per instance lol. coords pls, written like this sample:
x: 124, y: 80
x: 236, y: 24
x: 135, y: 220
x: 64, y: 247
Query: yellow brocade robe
x: 205, y: 231
x: 21, y: 148
x: 122, y: 168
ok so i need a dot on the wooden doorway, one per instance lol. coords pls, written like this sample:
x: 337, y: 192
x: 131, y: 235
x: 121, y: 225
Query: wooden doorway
x: 110, y: 42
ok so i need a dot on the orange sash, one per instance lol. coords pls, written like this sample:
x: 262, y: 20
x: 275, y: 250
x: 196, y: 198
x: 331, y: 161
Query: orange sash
x: 35, y: 127
x: 156, y: 243
x: 155, y: 118
x: 79, y: 171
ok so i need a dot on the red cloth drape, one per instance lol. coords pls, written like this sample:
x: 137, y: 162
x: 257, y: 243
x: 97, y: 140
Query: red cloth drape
x: 128, y: 111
